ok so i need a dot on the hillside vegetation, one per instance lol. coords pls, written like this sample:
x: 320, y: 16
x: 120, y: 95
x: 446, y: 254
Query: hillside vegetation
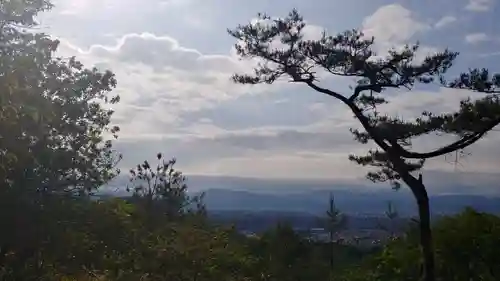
x: 56, y: 150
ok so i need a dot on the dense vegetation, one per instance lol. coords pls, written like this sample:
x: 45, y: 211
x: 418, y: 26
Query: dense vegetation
x: 56, y: 151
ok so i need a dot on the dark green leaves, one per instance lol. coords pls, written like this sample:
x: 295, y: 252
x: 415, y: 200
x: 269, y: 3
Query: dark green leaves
x: 21, y: 12
x: 163, y: 189
x: 53, y: 118
x: 386, y: 170
x: 478, y: 80
x: 464, y: 244
x: 351, y: 54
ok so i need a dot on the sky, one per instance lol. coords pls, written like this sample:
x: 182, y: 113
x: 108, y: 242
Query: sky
x: 173, y: 60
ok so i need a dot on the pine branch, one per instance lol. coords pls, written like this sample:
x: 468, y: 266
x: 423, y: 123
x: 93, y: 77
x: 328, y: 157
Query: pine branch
x: 350, y: 54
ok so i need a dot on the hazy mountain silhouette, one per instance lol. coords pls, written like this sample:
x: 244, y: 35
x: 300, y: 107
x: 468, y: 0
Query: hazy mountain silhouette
x: 354, y: 197
x: 355, y: 203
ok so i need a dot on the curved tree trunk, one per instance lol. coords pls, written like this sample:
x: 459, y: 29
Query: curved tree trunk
x: 426, y: 239
x: 426, y: 245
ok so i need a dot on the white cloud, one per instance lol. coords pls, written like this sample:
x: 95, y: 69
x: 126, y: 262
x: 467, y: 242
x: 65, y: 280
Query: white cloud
x: 295, y: 165
x: 316, y: 150
x: 159, y: 52
x: 445, y: 21
x: 480, y: 5
x: 156, y: 74
x: 80, y: 7
x: 162, y: 83
x: 159, y: 80
x: 393, y: 23
x: 312, y: 32
x: 91, y: 7
x: 492, y: 54
x: 309, y: 32
x: 173, y: 3
x: 388, y: 35
x: 476, y: 38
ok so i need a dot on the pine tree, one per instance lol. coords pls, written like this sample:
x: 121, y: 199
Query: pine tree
x: 350, y: 54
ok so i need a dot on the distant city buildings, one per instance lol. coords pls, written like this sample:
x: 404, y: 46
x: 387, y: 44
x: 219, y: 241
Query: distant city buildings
x: 363, y: 238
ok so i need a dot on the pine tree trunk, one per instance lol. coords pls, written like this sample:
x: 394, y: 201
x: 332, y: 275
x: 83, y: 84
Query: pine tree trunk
x: 331, y: 251
x: 426, y: 245
x: 332, y: 264
x: 426, y: 239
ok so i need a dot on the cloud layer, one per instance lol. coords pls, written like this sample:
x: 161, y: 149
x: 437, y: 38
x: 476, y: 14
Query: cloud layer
x: 178, y: 98
x: 480, y: 5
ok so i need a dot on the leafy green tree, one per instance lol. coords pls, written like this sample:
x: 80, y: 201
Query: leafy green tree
x: 54, y: 121
x: 466, y: 246
x: 56, y: 132
x: 55, y: 128
x: 21, y: 13
x: 67, y: 237
x: 92, y: 239
x: 350, y: 54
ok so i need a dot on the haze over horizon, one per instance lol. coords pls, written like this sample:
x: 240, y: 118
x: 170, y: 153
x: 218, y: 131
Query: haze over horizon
x: 173, y: 60
x: 462, y: 184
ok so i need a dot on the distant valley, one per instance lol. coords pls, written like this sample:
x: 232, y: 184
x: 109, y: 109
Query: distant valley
x: 353, y: 203
x: 311, y: 197
x: 255, y: 205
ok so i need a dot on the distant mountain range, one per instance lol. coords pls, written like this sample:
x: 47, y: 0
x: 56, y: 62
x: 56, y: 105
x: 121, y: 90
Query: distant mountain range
x: 438, y: 183
x: 354, y: 203
x: 311, y: 196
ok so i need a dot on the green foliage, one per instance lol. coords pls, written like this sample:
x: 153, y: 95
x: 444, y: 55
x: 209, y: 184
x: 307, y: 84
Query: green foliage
x: 54, y: 121
x: 113, y: 239
x: 57, y: 236
x: 163, y: 188
x: 467, y: 246
x: 465, y: 250
x: 333, y: 223
x: 21, y: 12
x: 54, y: 128
x: 282, y: 254
x: 351, y: 54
